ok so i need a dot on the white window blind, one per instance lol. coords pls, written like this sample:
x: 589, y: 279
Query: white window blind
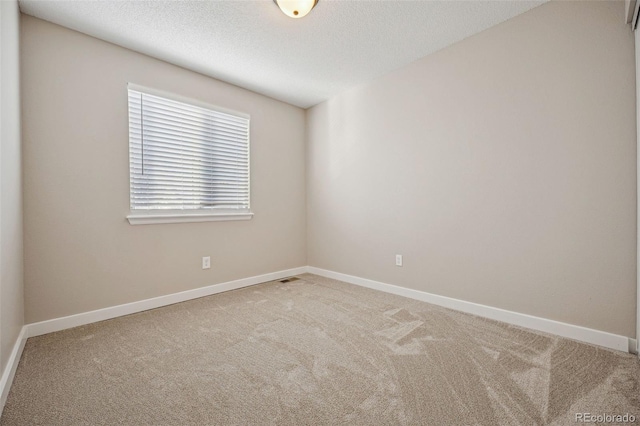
x: 186, y: 158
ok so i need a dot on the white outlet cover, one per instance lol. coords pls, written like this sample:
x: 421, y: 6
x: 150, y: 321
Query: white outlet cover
x: 206, y: 262
x: 398, y: 260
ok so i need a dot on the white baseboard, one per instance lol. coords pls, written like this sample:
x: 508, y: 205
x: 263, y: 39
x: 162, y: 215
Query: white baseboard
x: 575, y: 332
x: 57, y: 324
x: 11, y: 367
x: 583, y: 334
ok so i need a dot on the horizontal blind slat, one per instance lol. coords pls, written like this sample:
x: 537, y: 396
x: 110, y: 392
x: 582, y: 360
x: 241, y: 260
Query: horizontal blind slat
x: 171, y: 141
x: 192, y: 198
x: 195, y: 135
x: 173, y: 181
x: 137, y: 159
x: 187, y: 108
x: 190, y: 164
x: 146, y: 193
x: 190, y: 120
x: 188, y: 203
x: 158, y: 170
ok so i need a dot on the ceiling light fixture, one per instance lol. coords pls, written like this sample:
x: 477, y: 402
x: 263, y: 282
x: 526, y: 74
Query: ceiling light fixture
x: 296, y: 8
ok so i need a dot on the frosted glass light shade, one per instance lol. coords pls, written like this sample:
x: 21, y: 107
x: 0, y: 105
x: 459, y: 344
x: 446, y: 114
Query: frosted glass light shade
x: 296, y: 8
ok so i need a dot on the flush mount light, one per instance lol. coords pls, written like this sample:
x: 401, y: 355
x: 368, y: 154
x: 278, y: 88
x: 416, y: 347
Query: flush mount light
x: 296, y: 8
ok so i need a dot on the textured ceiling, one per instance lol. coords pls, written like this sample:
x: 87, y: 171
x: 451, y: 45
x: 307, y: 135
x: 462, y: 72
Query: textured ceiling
x: 340, y: 44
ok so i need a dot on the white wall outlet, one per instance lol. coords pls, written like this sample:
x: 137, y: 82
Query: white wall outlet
x: 206, y: 262
x: 398, y: 260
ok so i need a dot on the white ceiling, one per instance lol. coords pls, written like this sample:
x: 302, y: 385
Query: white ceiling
x: 340, y: 44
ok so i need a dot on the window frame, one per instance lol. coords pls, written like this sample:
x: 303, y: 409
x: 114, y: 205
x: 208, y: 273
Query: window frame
x: 157, y: 216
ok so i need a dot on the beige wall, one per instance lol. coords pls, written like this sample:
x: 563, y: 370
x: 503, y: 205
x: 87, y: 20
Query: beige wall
x: 636, y: 36
x: 80, y: 252
x: 503, y: 168
x: 11, y: 277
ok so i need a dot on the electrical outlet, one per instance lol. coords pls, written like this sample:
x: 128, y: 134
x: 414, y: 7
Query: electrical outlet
x: 398, y: 260
x: 206, y: 262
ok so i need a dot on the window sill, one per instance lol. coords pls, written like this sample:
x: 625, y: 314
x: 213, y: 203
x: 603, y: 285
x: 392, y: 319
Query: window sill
x: 156, y: 218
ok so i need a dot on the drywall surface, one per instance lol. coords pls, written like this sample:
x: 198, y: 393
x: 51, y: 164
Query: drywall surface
x: 636, y: 37
x: 11, y: 253
x: 81, y: 253
x: 502, y: 168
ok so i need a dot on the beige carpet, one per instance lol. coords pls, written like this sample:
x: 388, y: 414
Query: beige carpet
x: 312, y: 352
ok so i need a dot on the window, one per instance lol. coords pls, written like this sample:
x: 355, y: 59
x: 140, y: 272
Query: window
x: 188, y: 162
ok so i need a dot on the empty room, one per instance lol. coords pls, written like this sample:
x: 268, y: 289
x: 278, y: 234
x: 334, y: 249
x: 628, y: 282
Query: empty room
x: 319, y: 212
